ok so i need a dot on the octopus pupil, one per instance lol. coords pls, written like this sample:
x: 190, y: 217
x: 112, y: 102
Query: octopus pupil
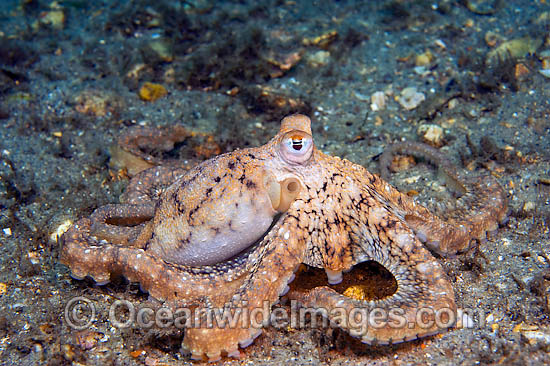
x: 297, y: 144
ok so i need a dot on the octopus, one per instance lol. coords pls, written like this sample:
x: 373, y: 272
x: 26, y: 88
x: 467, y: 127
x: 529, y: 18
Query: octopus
x: 231, y: 232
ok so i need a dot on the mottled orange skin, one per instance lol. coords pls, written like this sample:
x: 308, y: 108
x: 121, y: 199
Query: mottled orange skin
x: 343, y: 215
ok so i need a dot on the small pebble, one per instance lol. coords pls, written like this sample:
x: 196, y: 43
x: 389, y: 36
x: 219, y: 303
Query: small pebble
x: 402, y: 162
x: 64, y: 226
x: 535, y: 337
x: 521, y: 71
x: 96, y: 102
x: 55, y: 17
x: 492, y: 38
x: 150, y: 92
x: 424, y: 59
x: 161, y: 48
x: 318, y: 59
x: 529, y: 206
x: 452, y: 103
x: 410, y: 98
x: 137, y: 353
x: 439, y: 43
x: 431, y: 134
x: 378, y: 101
x: 34, y: 257
x: 413, y: 179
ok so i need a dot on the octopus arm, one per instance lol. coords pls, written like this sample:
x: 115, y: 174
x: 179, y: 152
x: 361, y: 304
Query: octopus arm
x: 447, y: 228
x: 423, y: 303
x: 123, y: 224
x: 247, y: 286
x: 148, y: 185
x: 87, y: 255
x: 283, y: 251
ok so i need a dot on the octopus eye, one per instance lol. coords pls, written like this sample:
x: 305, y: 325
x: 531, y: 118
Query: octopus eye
x: 296, y: 147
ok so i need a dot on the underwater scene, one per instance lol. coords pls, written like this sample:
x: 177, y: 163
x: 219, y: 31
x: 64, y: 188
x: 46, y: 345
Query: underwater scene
x: 274, y: 182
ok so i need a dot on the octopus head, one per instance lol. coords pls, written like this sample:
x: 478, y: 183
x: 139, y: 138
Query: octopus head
x: 296, y: 144
x: 295, y: 147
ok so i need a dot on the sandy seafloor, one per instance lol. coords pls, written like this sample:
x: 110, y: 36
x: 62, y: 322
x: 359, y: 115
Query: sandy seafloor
x: 70, y: 72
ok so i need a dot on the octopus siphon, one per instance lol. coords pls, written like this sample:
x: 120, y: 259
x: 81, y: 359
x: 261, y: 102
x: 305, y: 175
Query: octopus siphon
x: 231, y: 232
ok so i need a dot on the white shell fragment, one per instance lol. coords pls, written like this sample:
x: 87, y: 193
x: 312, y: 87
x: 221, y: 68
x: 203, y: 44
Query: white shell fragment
x: 431, y: 133
x: 378, y: 101
x: 411, y: 98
